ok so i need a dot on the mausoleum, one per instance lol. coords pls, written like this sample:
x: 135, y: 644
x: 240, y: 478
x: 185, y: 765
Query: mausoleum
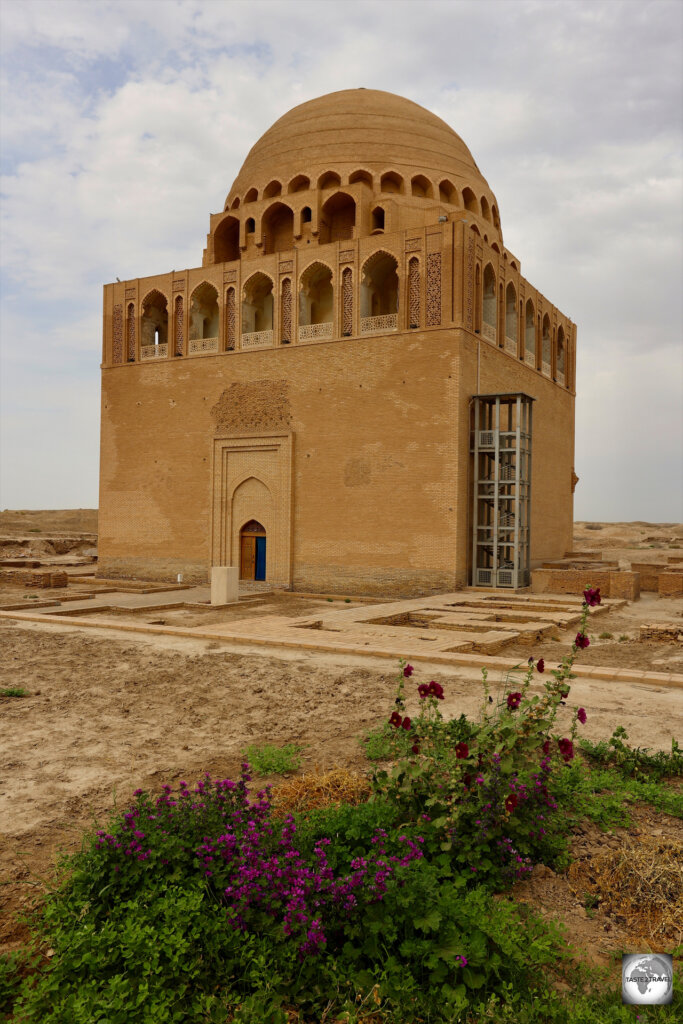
x: 357, y: 391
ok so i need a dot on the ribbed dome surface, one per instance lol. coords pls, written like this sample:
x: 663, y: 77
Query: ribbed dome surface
x: 358, y: 128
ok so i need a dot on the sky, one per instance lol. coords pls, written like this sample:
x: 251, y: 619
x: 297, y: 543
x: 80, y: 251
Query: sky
x: 123, y: 125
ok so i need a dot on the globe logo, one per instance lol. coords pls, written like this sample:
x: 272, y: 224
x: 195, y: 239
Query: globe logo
x: 647, y: 979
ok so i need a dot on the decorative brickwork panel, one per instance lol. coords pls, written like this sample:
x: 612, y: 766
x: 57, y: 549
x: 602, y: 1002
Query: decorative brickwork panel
x: 179, y: 284
x: 179, y: 326
x: 231, y: 319
x: 469, y: 302
x: 130, y: 293
x: 130, y: 332
x: 434, y: 242
x: 255, y: 405
x: 229, y: 276
x: 347, y: 303
x: 117, y: 334
x: 347, y: 255
x: 414, y: 292
x: 286, y: 311
x: 434, y: 289
x: 413, y: 244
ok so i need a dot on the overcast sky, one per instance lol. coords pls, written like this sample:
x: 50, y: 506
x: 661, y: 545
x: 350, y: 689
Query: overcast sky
x: 125, y: 123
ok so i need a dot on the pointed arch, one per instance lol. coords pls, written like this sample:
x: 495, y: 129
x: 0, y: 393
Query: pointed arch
x: 560, y: 355
x: 485, y: 208
x: 392, y: 182
x: 422, y: 187
x: 337, y: 218
x: 546, y: 346
x: 278, y: 228
x: 316, y: 302
x: 130, y: 332
x: 362, y: 176
x: 530, y: 333
x: 379, y: 289
x: 299, y: 184
x: 272, y: 189
x: 489, y: 305
x: 204, y: 312
x: 511, y: 324
x: 226, y: 240
x: 448, y: 193
x: 257, y: 304
x: 251, y: 196
x: 329, y: 179
x: 470, y: 200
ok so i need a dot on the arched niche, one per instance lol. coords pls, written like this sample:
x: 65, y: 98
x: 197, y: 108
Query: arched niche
x: 226, y: 241
x: 337, y: 218
x: 421, y: 187
x: 448, y: 192
x: 154, y: 319
x: 329, y: 179
x: 278, y: 228
x: 379, y: 286
x: 530, y: 332
x: 204, y: 312
x: 299, y: 184
x: 489, y: 305
x: 273, y: 188
x: 257, y: 304
x: 251, y: 196
x: 316, y: 296
x: 360, y: 176
x: 391, y: 182
x: 470, y: 200
x: 511, y: 312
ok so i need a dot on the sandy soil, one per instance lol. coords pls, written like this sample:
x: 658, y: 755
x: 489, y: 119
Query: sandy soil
x: 105, y: 715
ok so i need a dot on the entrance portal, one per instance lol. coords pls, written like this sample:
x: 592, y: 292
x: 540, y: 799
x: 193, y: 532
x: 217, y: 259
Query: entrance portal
x: 252, y: 551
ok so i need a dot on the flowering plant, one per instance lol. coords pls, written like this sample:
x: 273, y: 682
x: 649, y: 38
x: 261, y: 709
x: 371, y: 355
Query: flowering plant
x: 482, y: 792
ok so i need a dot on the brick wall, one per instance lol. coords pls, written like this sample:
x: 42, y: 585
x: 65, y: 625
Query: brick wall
x: 574, y: 581
x: 671, y: 584
x: 380, y: 462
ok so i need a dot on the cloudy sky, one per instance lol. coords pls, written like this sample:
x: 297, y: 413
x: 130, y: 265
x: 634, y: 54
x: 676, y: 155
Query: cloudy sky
x: 124, y: 124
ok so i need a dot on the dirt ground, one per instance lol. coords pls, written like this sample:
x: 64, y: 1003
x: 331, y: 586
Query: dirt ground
x: 106, y: 714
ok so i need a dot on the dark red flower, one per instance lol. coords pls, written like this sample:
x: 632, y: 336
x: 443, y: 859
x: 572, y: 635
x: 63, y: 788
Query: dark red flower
x: 564, y: 692
x: 395, y: 719
x: 546, y: 747
x: 423, y: 690
x: 582, y: 641
x: 511, y: 802
x: 566, y: 749
x: 592, y: 596
x: 467, y: 779
x: 540, y: 665
x: 462, y: 750
x: 406, y: 724
x: 581, y: 715
x: 415, y: 749
x: 408, y: 671
x: 514, y: 700
x: 436, y: 690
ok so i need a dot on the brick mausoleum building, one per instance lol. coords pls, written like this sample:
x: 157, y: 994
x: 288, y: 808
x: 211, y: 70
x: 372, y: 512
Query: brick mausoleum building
x: 303, y: 404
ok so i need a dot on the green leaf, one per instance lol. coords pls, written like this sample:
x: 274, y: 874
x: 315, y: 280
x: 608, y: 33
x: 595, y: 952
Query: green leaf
x: 430, y: 921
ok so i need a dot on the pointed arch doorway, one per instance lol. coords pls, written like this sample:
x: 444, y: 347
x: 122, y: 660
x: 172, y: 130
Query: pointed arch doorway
x: 252, y: 551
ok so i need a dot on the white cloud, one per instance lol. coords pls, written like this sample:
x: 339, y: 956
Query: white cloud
x: 124, y: 125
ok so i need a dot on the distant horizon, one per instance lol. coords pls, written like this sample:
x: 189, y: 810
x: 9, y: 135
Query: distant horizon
x: 613, y: 522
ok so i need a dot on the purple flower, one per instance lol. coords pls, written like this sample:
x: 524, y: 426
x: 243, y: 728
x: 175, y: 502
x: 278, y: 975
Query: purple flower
x: 566, y: 749
x: 540, y: 665
x: 581, y: 715
x: 514, y: 700
x: 592, y: 596
x: 408, y: 671
x: 581, y: 641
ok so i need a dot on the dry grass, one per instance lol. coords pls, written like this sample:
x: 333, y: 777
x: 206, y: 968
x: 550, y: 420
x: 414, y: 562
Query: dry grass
x: 642, y: 881
x: 320, y: 789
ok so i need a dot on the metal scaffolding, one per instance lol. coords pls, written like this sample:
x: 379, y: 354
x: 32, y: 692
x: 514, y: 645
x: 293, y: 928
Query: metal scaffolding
x: 501, y: 446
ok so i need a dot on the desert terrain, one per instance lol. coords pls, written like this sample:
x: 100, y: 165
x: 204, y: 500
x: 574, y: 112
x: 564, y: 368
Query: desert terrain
x: 106, y: 712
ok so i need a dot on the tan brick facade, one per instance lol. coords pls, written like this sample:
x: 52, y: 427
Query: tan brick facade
x: 324, y: 389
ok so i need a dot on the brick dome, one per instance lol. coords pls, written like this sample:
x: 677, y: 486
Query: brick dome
x: 345, y: 132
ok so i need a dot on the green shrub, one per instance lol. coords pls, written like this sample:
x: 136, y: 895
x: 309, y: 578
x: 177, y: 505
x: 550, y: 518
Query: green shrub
x: 267, y: 759
x: 635, y: 762
x: 14, y: 691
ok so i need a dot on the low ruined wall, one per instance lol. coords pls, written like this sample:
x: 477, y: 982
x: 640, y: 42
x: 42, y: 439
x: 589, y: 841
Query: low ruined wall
x: 671, y: 584
x: 612, y: 583
x: 649, y: 574
x: 39, y: 580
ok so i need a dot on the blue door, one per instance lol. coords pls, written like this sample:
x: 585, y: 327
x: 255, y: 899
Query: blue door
x: 260, y: 573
